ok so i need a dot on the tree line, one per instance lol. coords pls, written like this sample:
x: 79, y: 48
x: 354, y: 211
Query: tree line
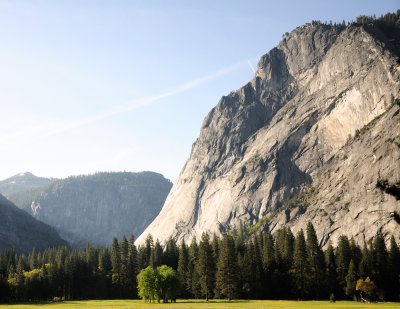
x: 386, y: 22
x: 264, y: 266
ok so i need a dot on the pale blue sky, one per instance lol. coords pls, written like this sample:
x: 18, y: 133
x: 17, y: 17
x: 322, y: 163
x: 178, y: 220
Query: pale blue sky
x: 89, y: 86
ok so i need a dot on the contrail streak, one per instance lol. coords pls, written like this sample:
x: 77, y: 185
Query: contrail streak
x: 51, y: 129
x: 251, y: 66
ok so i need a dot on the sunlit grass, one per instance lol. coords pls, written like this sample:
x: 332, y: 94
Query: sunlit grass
x: 214, y: 304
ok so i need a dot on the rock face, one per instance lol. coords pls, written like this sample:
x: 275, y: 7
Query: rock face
x: 293, y: 126
x: 20, y: 231
x: 346, y: 198
x: 98, y: 207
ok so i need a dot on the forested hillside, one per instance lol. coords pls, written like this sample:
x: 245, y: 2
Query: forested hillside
x: 280, y: 266
x: 95, y: 208
x: 21, y: 232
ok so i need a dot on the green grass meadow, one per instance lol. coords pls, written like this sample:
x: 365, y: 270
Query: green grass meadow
x: 137, y: 304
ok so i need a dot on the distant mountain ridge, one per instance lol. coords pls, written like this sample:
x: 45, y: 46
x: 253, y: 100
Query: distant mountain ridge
x: 95, y: 208
x: 23, y: 182
x: 19, y: 231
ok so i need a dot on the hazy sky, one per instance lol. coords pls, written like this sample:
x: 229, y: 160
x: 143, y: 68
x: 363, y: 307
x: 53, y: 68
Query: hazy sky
x: 89, y: 86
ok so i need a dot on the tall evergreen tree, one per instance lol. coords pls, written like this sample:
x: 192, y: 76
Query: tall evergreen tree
x: 343, y: 257
x: 394, y: 271
x: 301, y: 267
x: 215, y: 246
x: 193, y: 274
x: 284, y: 247
x: 246, y: 271
x: 156, y: 256
x: 331, y: 274
x: 171, y: 253
x: 116, y: 267
x: 132, y: 266
x: 206, y: 266
x: 380, y: 262
x: 316, y: 262
x: 351, y: 279
x: 364, y: 268
x: 227, y: 276
x: 257, y: 265
x: 148, y: 248
x: 125, y: 280
x: 269, y: 264
x: 183, y: 272
x: 103, y: 281
x: 356, y: 253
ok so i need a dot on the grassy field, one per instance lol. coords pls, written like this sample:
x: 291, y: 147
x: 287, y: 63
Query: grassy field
x: 135, y: 304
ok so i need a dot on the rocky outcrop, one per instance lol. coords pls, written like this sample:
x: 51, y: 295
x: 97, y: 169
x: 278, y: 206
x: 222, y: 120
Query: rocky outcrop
x: 347, y: 195
x: 279, y: 133
x: 98, y: 207
x: 19, y: 231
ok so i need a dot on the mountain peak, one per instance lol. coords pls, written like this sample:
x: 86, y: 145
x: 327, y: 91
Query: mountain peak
x: 25, y: 174
x: 266, y: 141
x: 22, y: 182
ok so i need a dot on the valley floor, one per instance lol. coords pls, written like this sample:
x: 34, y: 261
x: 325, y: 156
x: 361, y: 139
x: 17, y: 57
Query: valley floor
x: 217, y: 304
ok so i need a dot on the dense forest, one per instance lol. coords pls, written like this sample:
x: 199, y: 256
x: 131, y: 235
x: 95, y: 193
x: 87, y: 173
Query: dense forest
x: 264, y: 266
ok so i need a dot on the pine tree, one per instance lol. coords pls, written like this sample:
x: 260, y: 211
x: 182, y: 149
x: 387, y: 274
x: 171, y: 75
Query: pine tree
x: 364, y: 268
x: 125, y: 280
x: 103, y: 282
x: 133, y: 269
x: 331, y: 279
x: 148, y: 248
x: 380, y: 261
x: 156, y: 256
x: 284, y: 246
x: 171, y: 254
x: 193, y: 275
x: 268, y: 256
x: 227, y: 276
x: 257, y: 264
x: 343, y: 257
x: 394, y: 271
x: 116, y: 267
x: 183, y: 262
x: 215, y: 247
x: 206, y: 266
x: 244, y: 265
x: 269, y: 264
x: 301, y: 268
x: 33, y: 259
x: 316, y: 262
x: 351, y: 278
x: 356, y: 253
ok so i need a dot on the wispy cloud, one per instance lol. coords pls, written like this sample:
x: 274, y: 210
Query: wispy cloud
x: 52, y: 128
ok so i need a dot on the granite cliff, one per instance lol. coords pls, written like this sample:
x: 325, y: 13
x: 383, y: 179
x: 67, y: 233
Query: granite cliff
x: 96, y: 208
x: 318, y: 121
x: 19, y: 231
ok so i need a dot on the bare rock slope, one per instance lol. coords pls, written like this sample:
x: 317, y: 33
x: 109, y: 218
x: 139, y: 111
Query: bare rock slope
x: 293, y: 126
x: 19, y: 231
x: 96, y: 208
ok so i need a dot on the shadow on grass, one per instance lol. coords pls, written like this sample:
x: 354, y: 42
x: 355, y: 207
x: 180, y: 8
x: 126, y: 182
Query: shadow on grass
x: 211, y: 301
x: 32, y: 303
